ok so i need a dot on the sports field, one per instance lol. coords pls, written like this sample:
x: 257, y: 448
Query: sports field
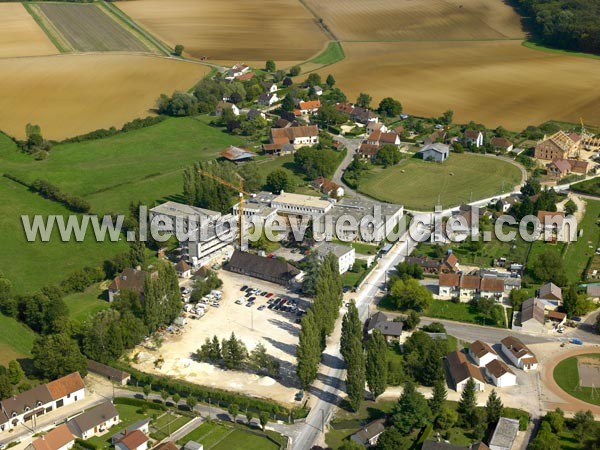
x: 85, y: 28
x: 566, y: 375
x: 490, y: 82
x: 69, y: 95
x: 412, y: 20
x: 239, y: 30
x: 418, y: 184
x: 16, y: 340
x: 20, y: 35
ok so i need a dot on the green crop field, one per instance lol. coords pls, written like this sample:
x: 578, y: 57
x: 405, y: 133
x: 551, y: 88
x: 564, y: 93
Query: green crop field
x: 566, y: 376
x: 221, y: 436
x: 16, y: 340
x: 418, y: 184
x: 84, y: 28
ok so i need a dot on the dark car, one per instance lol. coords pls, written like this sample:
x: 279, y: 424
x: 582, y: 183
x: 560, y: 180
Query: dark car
x: 243, y: 288
x: 576, y: 318
x: 251, y: 299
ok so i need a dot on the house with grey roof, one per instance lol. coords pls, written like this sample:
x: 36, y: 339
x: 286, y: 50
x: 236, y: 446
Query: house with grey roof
x: 345, y: 255
x: 369, y: 434
x: 95, y: 421
x: 505, y: 434
x: 531, y: 318
x: 389, y: 329
x: 436, y: 151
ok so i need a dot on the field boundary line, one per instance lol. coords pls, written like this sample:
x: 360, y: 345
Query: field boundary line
x: 320, y: 22
x: 311, y: 60
x: 527, y: 43
x: 55, y: 36
x: 231, y: 430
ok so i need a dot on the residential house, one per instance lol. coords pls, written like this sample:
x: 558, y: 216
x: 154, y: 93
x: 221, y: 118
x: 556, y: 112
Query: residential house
x: 268, y: 269
x: 390, y: 330
x: 442, y: 445
x: 237, y: 154
x: 449, y: 264
x: 42, y: 399
x: 245, y: 77
x: 531, y: 316
x: 296, y: 137
x: 369, y: 434
x: 255, y: 113
x: 437, y: 152
x: 438, y: 136
x: 141, y: 425
x: 345, y: 255
x: 501, y: 144
x: 115, y: 375
x: 505, y: 434
x: 492, y: 287
x: 550, y: 291
x: 449, y: 285
x: 508, y: 202
x: 426, y: 264
x: 558, y: 146
x: 95, y: 421
x: 367, y: 151
x: 558, y: 318
x: 60, y: 438
x: 237, y: 71
x: 318, y: 90
x: 270, y: 87
x: 193, y: 445
x: 222, y: 106
x: 380, y: 139
x: 461, y: 371
x: 519, y: 354
x: 135, y: 440
x: 500, y: 373
x: 563, y: 167
x: 183, y: 269
x: 469, y: 287
x: 328, y: 187
x: 473, y: 137
x: 482, y: 353
x: 376, y: 126
x: 131, y: 280
x: 307, y: 108
x: 302, y: 205
x: 356, y: 113
x: 267, y: 99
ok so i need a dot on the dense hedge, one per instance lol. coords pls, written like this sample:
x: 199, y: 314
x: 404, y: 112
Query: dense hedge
x: 139, y: 403
x: 129, y: 126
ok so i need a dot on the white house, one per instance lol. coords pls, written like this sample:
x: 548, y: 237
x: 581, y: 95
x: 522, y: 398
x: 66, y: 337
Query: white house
x: 308, y: 107
x: 376, y: 126
x: 500, y: 373
x: 183, y: 269
x: 95, y: 421
x: 448, y: 285
x: 437, y: 152
x: 270, y: 87
x: 268, y: 98
x: 302, y: 136
x: 136, y: 440
x: 473, y: 137
x: 222, y: 106
x: 60, y: 438
x: 492, y: 287
x: 461, y: 371
x: 344, y: 254
x: 519, y: 354
x: 482, y: 353
x: 369, y: 434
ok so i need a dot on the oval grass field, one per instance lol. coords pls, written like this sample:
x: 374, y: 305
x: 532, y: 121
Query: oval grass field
x: 463, y: 177
x: 566, y: 376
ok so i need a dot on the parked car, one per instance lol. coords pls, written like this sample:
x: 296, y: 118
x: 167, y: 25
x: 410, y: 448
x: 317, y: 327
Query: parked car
x: 576, y: 318
x: 238, y: 302
x: 243, y: 288
x: 576, y: 341
x: 261, y: 307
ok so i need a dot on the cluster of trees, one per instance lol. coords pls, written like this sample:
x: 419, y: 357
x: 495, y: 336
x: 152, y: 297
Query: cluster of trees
x: 206, y: 192
x: 406, y: 294
x: 409, y: 270
x: 489, y: 308
x: 280, y: 180
x: 34, y: 142
x: 548, y: 266
x: 317, y: 163
x: 390, y: 107
x: 546, y: 201
x: 204, y: 286
x: 568, y: 24
x: 582, y: 425
x: 135, y: 124
x: 351, y: 348
x: 10, y: 378
x: 57, y: 355
x: 388, y: 155
x: 354, y: 172
x: 233, y: 354
x: 319, y: 320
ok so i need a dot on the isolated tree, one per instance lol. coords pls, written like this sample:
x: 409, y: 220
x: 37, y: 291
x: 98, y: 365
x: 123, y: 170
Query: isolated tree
x: 178, y: 51
x: 493, y: 408
x: 468, y: 402
x: 388, y: 155
x: 147, y: 389
x: 233, y: 411
x: 412, y: 320
x: 270, y: 65
x: 570, y: 207
x: 390, y: 107
x: 412, y: 410
x: 309, y: 282
x: 308, y: 352
x: 288, y: 103
x: 517, y: 297
x: 314, y: 79
x: 363, y: 100
x: 330, y: 81
x: 570, y: 300
x: 191, y: 402
x: 280, y: 180
x: 438, y: 396
x: 377, y: 364
x: 176, y: 398
x: 263, y: 417
x: 410, y: 294
x: 295, y: 71
x: 447, y: 117
x: 164, y: 395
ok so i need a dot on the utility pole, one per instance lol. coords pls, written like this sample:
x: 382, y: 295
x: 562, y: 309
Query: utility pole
x: 322, y: 421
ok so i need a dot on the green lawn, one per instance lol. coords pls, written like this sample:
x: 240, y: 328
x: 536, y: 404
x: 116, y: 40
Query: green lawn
x: 83, y: 305
x: 32, y: 265
x: 161, y: 425
x: 461, y: 312
x: 360, y: 247
x: 222, y: 436
x: 418, y: 184
x: 332, y: 54
x: 16, y: 340
x: 286, y: 162
x: 566, y: 376
x: 128, y: 415
x: 351, y: 277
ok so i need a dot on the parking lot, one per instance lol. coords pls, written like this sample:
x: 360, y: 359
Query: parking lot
x: 272, y: 320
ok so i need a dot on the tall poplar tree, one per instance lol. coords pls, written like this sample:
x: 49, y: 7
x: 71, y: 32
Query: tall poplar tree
x: 377, y: 365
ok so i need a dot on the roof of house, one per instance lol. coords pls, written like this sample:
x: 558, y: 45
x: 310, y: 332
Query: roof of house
x: 561, y: 140
x: 131, y: 279
x: 578, y: 166
x: 492, y: 284
x: 472, y: 134
x: 500, y: 142
x: 505, y: 433
x: 449, y: 279
x: 368, y: 149
x: 134, y: 426
x: 66, y: 385
x: 95, y: 416
x: 107, y: 371
x: 193, y: 445
x: 223, y: 104
x: 562, y: 165
x: 382, y: 138
x: 309, y: 201
x: 182, y: 266
x: 470, y: 282
x: 233, y: 153
x: 329, y: 247
x: 387, y: 327
x: 309, y: 105
x: 461, y: 369
x: 498, y: 368
x: 423, y: 261
x: 517, y: 348
x: 246, y: 76
x: 282, y: 123
x: 532, y: 309
x: 371, y: 430
x: 54, y: 439
x: 437, y: 147
x: 261, y: 267
x: 133, y: 440
x: 480, y: 348
x: 279, y: 135
x: 555, y: 315
x: 169, y: 445
x: 550, y: 290
x: 26, y: 401
x: 451, y: 260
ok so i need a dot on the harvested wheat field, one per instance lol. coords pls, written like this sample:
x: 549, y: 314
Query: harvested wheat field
x: 241, y: 30
x: 495, y: 83
x: 69, y: 95
x: 20, y: 35
x: 394, y: 20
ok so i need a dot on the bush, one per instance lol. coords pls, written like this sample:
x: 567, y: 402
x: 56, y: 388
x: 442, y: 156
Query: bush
x: 139, y: 403
x: 135, y: 124
x: 519, y: 414
x: 86, y: 444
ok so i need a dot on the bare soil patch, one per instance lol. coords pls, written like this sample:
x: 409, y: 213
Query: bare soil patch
x: 589, y: 371
x: 20, y: 35
x: 495, y: 83
x: 395, y: 20
x: 239, y: 30
x: 69, y: 95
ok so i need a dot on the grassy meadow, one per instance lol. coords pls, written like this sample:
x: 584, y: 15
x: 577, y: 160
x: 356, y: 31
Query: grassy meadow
x: 417, y: 184
x: 16, y: 340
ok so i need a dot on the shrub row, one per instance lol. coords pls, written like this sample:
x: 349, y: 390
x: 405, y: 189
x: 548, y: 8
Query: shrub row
x: 129, y: 126
x: 139, y: 403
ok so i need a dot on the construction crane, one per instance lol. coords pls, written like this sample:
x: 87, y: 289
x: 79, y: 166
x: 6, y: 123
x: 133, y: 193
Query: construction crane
x: 241, y: 194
